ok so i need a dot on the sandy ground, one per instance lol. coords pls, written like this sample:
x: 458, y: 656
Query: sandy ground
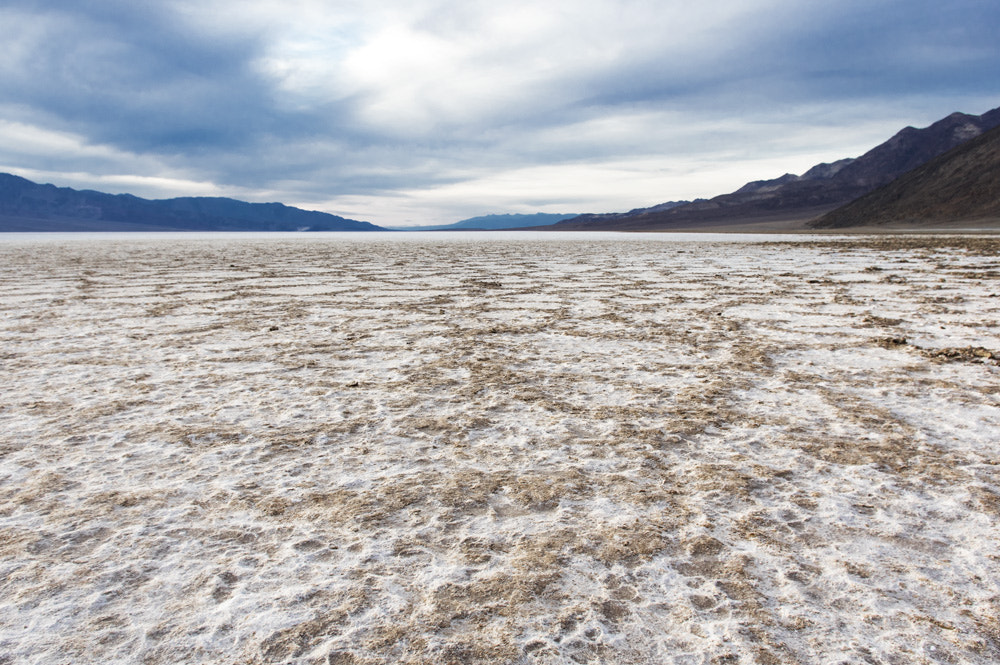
x: 499, y: 449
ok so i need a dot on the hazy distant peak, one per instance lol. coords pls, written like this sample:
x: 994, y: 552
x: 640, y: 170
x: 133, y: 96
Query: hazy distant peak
x: 495, y: 222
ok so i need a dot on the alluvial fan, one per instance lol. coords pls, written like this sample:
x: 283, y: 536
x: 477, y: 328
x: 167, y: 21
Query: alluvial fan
x: 494, y: 449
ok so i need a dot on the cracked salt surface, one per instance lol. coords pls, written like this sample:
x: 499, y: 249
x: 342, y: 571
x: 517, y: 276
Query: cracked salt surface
x: 520, y: 448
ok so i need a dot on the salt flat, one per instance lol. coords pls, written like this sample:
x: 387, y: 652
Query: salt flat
x: 499, y: 449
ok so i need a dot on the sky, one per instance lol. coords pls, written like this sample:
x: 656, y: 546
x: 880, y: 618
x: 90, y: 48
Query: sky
x: 406, y: 112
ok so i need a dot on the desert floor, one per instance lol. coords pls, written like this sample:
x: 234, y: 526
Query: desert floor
x: 489, y: 448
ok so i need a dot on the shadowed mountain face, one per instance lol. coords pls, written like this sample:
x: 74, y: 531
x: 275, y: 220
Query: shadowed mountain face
x: 28, y: 206
x: 963, y: 184
x: 817, y: 191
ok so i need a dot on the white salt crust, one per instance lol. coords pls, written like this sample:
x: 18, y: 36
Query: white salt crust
x: 490, y: 448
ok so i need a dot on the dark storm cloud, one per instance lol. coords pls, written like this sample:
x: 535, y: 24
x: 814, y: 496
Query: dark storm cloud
x: 134, y: 75
x: 802, y: 52
x: 889, y: 49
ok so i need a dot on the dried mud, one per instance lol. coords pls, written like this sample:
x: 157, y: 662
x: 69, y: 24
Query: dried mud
x: 478, y: 450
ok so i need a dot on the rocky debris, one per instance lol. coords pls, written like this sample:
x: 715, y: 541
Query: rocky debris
x: 970, y: 354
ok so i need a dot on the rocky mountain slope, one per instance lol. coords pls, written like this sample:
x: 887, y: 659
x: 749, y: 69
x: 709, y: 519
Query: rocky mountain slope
x: 28, y: 206
x: 802, y: 197
x: 961, y: 185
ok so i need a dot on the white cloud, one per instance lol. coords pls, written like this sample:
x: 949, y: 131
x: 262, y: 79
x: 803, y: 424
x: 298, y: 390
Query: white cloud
x: 88, y: 165
x: 583, y: 187
x: 148, y: 186
x: 411, y: 68
x: 433, y: 110
x: 22, y: 138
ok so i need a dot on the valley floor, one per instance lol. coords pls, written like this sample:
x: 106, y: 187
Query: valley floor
x: 500, y: 449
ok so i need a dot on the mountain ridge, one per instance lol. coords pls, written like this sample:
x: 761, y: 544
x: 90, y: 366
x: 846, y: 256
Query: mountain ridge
x: 962, y: 184
x: 794, y: 198
x: 789, y: 199
x: 29, y: 206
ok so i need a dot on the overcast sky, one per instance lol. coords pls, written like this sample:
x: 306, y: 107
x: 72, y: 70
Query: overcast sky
x: 430, y: 111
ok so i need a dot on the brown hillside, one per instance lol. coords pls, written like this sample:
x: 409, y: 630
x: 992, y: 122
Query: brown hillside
x: 961, y: 185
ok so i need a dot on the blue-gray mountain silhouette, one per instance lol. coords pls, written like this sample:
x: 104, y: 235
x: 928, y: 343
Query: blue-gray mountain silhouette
x: 28, y: 206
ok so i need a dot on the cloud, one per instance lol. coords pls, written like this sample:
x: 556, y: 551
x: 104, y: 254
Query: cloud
x: 135, y: 75
x: 70, y: 160
x: 424, y: 108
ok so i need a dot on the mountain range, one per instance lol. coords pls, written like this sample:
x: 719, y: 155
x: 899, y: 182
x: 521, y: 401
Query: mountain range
x: 938, y: 174
x: 962, y: 184
x: 28, y: 206
x: 800, y: 198
x: 494, y: 222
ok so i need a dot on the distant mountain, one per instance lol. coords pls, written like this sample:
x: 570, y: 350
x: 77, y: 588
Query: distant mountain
x: 27, y: 206
x: 594, y: 221
x: 800, y: 198
x: 962, y: 185
x: 493, y: 222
